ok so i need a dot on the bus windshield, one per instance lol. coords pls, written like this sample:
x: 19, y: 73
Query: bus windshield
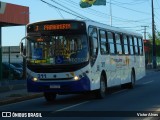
x: 57, y: 49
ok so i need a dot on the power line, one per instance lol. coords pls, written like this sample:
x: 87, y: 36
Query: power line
x: 104, y: 14
x: 51, y: 5
x: 68, y: 8
x: 145, y: 27
x: 158, y: 4
x: 130, y: 9
x: 156, y: 16
x: 131, y: 27
x: 97, y: 13
x: 59, y: 12
x: 130, y: 3
x: 90, y: 12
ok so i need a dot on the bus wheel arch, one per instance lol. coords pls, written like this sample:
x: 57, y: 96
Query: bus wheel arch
x: 133, y: 79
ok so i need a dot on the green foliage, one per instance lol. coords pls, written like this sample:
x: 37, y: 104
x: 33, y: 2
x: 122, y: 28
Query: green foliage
x: 157, y: 41
x: 157, y: 38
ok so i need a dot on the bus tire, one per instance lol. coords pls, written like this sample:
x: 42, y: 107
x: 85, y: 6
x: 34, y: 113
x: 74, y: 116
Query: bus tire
x: 133, y: 80
x: 49, y: 96
x: 101, y: 93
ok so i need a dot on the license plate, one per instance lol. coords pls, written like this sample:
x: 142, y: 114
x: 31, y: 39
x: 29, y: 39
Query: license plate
x: 55, y: 86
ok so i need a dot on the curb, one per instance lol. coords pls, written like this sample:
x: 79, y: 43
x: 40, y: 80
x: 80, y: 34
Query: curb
x: 19, y: 99
x: 12, y: 87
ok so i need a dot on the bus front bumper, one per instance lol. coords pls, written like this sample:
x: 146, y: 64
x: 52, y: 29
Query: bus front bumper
x: 81, y: 85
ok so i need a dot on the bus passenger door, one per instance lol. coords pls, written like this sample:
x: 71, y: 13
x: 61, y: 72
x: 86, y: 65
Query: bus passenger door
x: 95, y: 69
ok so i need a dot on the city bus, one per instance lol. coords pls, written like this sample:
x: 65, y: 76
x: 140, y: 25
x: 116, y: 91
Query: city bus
x: 78, y: 56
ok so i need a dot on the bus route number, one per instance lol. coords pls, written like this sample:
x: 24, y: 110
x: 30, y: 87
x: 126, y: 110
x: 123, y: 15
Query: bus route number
x: 42, y: 76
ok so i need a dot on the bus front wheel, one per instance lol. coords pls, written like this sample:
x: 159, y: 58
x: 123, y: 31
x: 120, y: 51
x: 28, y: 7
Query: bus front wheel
x: 49, y: 96
x: 101, y: 93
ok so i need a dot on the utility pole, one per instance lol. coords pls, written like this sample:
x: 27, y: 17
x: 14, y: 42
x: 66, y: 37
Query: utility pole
x: 153, y: 40
x: 110, y: 13
x: 145, y: 27
x: 0, y: 53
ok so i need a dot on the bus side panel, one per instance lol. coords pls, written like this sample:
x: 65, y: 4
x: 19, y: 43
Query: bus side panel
x: 140, y: 67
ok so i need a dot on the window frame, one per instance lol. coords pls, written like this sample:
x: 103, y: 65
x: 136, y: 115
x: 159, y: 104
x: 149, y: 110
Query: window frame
x: 126, y: 44
x: 131, y: 46
x: 135, y: 40
x: 140, y: 53
x: 113, y: 37
x: 106, y: 42
x: 121, y: 43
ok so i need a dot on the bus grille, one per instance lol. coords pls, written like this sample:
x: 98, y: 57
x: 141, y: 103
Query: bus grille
x: 56, y: 79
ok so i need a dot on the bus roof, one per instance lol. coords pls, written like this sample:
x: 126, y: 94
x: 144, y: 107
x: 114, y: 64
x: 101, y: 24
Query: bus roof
x: 112, y: 28
x: 97, y: 24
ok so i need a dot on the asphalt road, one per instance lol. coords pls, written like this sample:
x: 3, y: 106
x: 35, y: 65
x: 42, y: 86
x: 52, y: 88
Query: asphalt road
x: 118, y: 104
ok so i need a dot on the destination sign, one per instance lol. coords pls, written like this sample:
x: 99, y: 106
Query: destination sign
x: 53, y: 27
x: 56, y: 26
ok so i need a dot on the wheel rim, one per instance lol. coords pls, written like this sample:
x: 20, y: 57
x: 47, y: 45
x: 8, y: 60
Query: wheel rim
x: 103, y: 87
x: 132, y: 79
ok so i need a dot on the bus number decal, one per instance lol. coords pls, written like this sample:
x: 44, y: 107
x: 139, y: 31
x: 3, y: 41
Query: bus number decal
x: 98, y: 68
x: 42, y: 76
x: 103, y: 64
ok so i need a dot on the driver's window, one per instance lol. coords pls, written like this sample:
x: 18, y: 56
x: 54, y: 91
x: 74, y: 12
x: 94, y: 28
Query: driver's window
x: 93, y: 39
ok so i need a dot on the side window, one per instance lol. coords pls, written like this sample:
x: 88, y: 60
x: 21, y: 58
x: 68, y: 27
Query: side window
x: 125, y: 41
x: 111, y: 42
x: 93, y: 40
x: 131, y: 45
x: 103, y: 42
x: 136, y: 45
x: 118, y: 43
x: 140, y: 46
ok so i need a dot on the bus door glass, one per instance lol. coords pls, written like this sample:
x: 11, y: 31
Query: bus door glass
x: 93, y: 39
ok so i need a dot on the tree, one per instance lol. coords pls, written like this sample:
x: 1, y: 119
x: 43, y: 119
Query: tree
x: 157, y: 38
x: 157, y: 42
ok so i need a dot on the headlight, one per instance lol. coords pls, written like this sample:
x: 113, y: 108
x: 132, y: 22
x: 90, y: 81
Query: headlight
x: 76, y: 78
x: 34, y: 79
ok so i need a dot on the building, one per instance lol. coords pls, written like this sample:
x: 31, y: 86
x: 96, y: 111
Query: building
x: 11, y: 54
x: 11, y: 15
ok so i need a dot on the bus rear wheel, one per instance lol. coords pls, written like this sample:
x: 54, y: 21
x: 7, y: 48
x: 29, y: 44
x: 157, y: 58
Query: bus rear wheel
x: 101, y: 93
x: 49, y: 96
x: 133, y: 80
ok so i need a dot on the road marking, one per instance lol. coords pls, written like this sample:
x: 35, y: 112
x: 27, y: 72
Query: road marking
x: 119, y: 91
x: 71, y: 106
x: 148, y: 82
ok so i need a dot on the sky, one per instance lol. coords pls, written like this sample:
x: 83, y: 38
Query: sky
x: 126, y: 14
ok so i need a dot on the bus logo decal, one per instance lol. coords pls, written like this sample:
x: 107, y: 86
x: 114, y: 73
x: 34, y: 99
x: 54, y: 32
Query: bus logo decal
x: 59, y: 59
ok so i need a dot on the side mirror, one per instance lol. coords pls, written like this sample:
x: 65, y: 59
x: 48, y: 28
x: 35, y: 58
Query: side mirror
x: 22, y: 49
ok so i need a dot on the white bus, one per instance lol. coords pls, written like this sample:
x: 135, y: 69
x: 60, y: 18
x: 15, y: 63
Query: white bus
x: 73, y: 56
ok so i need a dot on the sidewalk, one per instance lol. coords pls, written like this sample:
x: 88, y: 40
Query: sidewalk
x: 12, y: 91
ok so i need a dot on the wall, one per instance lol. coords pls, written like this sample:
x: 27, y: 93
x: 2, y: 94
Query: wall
x: 14, y: 54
